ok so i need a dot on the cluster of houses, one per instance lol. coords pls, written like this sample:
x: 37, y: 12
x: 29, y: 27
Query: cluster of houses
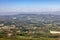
x: 9, y: 29
x: 2, y: 26
x: 10, y: 32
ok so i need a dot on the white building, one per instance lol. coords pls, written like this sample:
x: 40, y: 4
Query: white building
x: 55, y: 32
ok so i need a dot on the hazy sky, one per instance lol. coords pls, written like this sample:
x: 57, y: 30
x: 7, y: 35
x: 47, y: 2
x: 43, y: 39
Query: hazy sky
x: 29, y: 5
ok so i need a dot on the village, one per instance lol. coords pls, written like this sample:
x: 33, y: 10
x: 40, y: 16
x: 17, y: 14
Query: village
x: 9, y: 29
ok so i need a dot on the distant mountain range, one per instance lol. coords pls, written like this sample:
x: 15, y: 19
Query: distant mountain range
x: 33, y: 17
x: 14, y: 13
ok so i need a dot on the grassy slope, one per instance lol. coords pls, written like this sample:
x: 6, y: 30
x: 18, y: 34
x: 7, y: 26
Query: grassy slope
x: 26, y: 38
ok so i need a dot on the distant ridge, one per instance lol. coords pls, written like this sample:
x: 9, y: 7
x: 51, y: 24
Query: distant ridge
x: 15, y: 13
